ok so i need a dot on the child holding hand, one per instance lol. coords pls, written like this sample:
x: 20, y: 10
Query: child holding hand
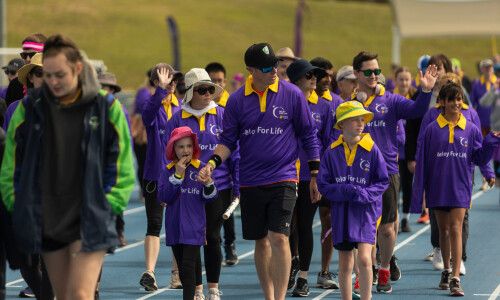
x: 184, y: 195
x: 353, y: 175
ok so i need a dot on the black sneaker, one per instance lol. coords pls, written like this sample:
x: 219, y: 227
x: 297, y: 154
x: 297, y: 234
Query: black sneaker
x: 302, y: 288
x: 294, y: 270
x: 375, y: 275
x: 405, y: 227
x: 383, y: 285
x: 26, y: 293
x: 395, y: 271
x: 456, y: 288
x: 444, y: 284
x: 231, y: 255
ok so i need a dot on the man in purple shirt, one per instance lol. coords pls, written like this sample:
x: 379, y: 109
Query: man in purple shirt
x: 388, y: 109
x: 268, y: 117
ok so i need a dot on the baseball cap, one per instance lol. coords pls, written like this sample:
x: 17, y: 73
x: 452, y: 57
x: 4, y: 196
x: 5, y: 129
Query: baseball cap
x: 171, y: 71
x: 486, y: 63
x: 346, y: 72
x: 260, y: 55
x: 14, y: 65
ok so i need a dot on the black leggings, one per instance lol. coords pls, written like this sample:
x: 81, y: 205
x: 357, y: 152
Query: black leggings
x: 212, y: 251
x: 140, y: 155
x: 35, y: 275
x: 189, y: 261
x: 406, y: 184
x: 154, y: 211
x: 305, y: 216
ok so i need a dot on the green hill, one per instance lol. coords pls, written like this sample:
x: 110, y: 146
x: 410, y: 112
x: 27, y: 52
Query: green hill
x: 131, y: 35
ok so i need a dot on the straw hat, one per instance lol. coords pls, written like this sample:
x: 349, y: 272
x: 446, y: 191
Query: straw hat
x: 351, y: 109
x: 286, y: 53
x: 36, y: 61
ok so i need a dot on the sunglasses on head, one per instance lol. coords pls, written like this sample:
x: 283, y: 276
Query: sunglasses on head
x: 203, y: 90
x: 268, y: 69
x: 7, y: 72
x: 368, y: 73
x: 25, y: 55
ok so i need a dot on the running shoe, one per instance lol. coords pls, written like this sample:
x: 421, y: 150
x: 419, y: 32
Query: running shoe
x: 437, y: 260
x: 485, y: 186
x: 326, y: 281
x: 355, y: 290
x: 375, y: 275
x: 27, y: 293
x: 301, y: 289
x: 405, y: 226
x: 463, y: 271
x: 231, y: 255
x: 198, y: 295
x: 456, y: 288
x: 424, y: 218
x: 294, y: 270
x: 213, y: 294
x: 444, y: 284
x: 175, y: 280
x: 384, y: 285
x: 148, y: 281
x: 394, y: 268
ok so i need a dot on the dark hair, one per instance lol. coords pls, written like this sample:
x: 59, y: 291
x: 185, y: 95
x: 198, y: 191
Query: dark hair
x: 61, y: 43
x: 35, y: 38
x: 361, y: 57
x: 450, y: 91
x: 322, y: 63
x: 401, y: 70
x: 215, y: 67
x: 441, y: 59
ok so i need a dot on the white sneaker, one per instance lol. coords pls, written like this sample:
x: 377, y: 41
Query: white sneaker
x: 462, y: 268
x: 198, y: 295
x: 430, y: 256
x: 485, y: 186
x: 437, y: 260
x: 213, y: 294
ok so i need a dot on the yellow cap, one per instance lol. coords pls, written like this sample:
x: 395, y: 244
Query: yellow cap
x: 351, y: 109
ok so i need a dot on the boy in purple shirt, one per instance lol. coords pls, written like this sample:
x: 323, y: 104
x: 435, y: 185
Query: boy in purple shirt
x: 353, y: 175
x: 269, y: 117
x: 184, y: 197
x: 450, y: 143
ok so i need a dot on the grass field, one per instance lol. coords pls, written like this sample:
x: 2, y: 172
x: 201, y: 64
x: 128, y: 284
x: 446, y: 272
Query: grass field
x: 131, y: 35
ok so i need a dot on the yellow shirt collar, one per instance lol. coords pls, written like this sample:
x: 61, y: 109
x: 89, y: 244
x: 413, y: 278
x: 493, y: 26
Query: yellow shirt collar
x: 369, y: 100
x: 223, y: 98
x: 493, y: 79
x: 249, y: 90
x: 326, y: 95
x: 396, y: 91
x: 194, y: 162
x: 313, y: 98
x: 443, y: 122
x: 167, y: 106
x: 366, y: 141
x: 201, y: 119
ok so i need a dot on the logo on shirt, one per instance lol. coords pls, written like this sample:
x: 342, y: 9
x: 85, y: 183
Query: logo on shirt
x: 265, y: 50
x: 464, y: 141
x: 193, y: 175
x: 381, y: 108
x: 316, y: 117
x: 364, y: 165
x: 94, y: 122
x: 279, y: 112
x: 215, y: 129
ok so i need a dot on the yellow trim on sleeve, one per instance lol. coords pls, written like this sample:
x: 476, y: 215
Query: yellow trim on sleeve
x: 462, y: 122
x: 201, y: 120
x: 262, y: 100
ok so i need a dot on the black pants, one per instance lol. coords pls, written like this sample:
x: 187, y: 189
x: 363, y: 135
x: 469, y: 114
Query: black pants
x: 140, y: 155
x: 229, y: 233
x: 3, y: 259
x: 212, y: 251
x: 406, y: 185
x: 36, y: 276
x: 120, y: 224
x: 189, y: 261
x: 435, y: 232
x: 305, y: 216
x: 154, y: 211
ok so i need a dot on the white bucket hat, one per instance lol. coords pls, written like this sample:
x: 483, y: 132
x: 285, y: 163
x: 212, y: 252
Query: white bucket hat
x: 196, y: 77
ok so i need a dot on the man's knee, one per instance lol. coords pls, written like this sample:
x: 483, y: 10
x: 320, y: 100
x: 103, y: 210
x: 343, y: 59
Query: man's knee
x: 278, y: 240
x: 386, y: 230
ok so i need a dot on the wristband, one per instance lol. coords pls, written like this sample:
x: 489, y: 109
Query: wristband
x: 212, y: 162
x: 209, y: 185
x: 216, y: 159
x: 314, y: 175
x: 313, y: 165
x: 177, y: 176
x: 426, y: 91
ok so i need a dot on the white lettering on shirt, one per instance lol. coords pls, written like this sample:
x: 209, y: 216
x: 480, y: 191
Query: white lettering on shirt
x: 376, y: 123
x: 263, y: 130
x: 452, y: 154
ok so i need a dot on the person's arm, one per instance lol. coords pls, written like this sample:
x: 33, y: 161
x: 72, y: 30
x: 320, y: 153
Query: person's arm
x: 489, y: 98
x: 379, y: 182
x: 234, y: 168
x: 417, y: 196
x: 119, y: 175
x: 169, y: 187
x: 400, y: 134
x: 151, y: 106
x: 483, y: 149
x: 336, y: 192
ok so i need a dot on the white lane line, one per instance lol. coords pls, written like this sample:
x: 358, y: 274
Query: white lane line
x: 495, y: 294
x: 133, y: 210
x: 14, y: 282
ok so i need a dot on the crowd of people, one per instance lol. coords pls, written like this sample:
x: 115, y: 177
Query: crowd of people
x: 345, y: 141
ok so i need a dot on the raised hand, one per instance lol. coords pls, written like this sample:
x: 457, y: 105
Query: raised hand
x: 428, y: 80
x: 164, y: 78
x: 181, y: 166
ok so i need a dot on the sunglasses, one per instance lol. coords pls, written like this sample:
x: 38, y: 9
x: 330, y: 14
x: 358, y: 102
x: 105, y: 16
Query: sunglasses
x: 268, y: 69
x: 309, y: 75
x: 203, y: 90
x: 7, y: 72
x: 25, y: 55
x: 368, y: 73
x: 37, y: 73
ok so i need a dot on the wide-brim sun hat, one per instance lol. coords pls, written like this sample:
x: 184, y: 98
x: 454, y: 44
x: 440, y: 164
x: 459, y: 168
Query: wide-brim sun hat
x: 300, y: 67
x: 180, y: 133
x: 22, y: 74
x: 351, y: 109
x: 196, y: 77
x: 109, y: 79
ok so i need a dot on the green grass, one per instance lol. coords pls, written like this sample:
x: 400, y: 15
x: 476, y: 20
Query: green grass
x: 131, y: 35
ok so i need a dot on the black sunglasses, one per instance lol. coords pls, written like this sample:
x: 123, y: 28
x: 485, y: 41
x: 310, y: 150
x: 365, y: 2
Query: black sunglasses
x: 203, y: 90
x: 25, y: 55
x: 368, y: 73
x: 37, y: 73
x: 309, y: 75
x: 7, y: 72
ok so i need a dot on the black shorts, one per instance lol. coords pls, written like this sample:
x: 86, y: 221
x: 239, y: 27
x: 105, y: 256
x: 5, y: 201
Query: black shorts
x: 267, y: 207
x: 324, y: 202
x: 346, y: 246
x: 445, y: 208
x: 390, y: 200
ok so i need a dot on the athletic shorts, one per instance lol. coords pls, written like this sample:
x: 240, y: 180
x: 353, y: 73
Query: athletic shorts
x: 267, y: 207
x: 445, y: 208
x: 390, y: 200
x: 324, y: 202
x: 346, y: 246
